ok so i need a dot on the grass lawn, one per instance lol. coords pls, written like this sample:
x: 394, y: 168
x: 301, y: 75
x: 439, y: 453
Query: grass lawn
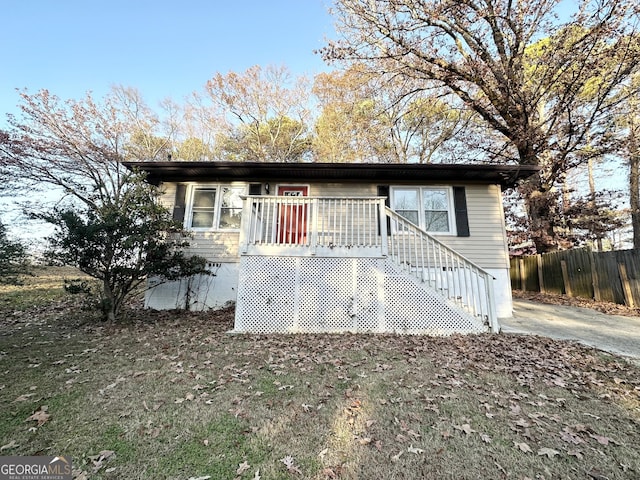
x: 169, y: 395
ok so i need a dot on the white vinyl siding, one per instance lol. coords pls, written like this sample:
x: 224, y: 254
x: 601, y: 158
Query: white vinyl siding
x: 486, y: 245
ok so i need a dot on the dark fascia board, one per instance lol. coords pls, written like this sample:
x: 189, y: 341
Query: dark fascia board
x: 175, y: 171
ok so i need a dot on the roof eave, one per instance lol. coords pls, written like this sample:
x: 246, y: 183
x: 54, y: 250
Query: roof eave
x: 175, y: 171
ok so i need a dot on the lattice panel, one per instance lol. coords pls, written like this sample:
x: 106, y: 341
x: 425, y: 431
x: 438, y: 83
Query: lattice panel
x: 326, y: 289
x: 370, y: 296
x: 266, y: 294
x: 309, y: 294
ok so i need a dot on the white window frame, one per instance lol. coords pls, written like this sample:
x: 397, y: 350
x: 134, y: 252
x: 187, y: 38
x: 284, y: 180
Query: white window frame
x: 421, y: 222
x: 188, y: 218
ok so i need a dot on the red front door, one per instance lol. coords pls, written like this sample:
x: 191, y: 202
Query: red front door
x: 292, y: 221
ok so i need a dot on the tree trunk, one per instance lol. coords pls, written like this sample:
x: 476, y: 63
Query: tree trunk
x: 108, y: 302
x: 592, y: 197
x: 634, y: 193
x: 542, y: 205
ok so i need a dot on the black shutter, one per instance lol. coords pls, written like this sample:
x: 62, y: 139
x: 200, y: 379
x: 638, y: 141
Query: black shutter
x: 460, y: 208
x: 383, y: 191
x: 179, y: 205
x: 255, y: 189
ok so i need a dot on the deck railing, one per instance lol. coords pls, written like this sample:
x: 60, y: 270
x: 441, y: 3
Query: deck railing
x: 444, y: 270
x: 313, y: 225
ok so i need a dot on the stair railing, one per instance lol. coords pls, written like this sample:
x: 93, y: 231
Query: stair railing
x: 444, y: 270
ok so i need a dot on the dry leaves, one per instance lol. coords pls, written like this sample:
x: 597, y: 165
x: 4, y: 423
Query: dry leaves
x: 289, y: 462
x: 523, y: 447
x: 549, y: 452
x: 41, y: 416
x: 242, y: 467
x: 9, y: 446
x: 466, y: 428
x: 99, y: 460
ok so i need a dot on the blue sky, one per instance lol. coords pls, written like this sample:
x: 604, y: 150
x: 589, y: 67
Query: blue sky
x: 162, y: 48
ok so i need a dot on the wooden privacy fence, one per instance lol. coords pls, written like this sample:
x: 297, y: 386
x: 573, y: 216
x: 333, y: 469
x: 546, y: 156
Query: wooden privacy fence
x: 603, y: 276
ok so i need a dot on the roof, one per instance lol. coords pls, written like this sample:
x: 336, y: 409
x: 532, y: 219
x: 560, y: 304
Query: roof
x: 177, y: 171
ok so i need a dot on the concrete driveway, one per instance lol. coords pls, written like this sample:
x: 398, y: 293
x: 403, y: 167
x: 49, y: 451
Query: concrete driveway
x: 612, y: 333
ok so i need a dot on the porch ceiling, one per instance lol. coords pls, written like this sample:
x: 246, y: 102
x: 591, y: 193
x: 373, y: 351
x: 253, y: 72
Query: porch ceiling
x: 171, y: 171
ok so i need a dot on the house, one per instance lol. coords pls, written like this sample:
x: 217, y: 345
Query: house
x: 319, y: 247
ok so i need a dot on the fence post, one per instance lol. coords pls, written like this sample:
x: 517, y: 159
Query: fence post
x: 628, y: 294
x: 540, y: 272
x: 565, y: 278
x: 594, y: 278
x: 523, y: 280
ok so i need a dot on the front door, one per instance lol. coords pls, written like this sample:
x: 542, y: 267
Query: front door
x: 292, y: 218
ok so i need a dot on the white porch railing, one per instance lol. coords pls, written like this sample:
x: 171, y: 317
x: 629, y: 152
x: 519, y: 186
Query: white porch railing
x: 351, y: 227
x: 300, y: 226
x: 444, y: 270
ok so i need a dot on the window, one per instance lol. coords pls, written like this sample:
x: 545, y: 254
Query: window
x: 231, y: 208
x: 204, y: 207
x: 428, y: 207
x: 215, y: 207
x: 436, y: 210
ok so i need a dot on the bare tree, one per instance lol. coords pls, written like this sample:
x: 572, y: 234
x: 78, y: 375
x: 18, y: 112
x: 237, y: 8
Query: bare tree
x: 260, y: 114
x: 628, y: 141
x: 515, y: 64
x: 362, y: 119
x: 112, y: 228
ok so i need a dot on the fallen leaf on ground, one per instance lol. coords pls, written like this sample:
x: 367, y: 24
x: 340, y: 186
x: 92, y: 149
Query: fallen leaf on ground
x: 98, y: 460
x: 11, y: 444
x: 466, y: 428
x: 79, y: 474
x: 576, y: 453
x: 41, y: 416
x: 242, y: 467
x: 549, y: 452
x: 289, y: 462
x: 601, y: 439
x: 24, y: 398
x: 329, y: 473
x: 523, y: 447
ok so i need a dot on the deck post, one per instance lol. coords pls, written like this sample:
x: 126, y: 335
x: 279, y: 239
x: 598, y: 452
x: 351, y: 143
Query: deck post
x: 245, y: 225
x: 382, y: 216
x: 314, y: 226
x: 494, y: 326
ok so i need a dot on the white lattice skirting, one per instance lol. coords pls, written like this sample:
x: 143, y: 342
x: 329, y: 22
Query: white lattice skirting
x: 323, y: 295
